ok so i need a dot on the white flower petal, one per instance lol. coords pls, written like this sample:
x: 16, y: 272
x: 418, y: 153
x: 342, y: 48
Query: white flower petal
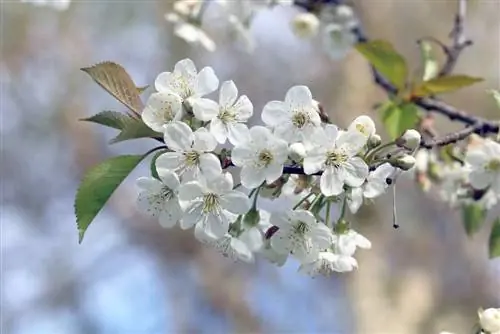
x: 243, y: 108
x: 273, y: 172
x: 206, y: 82
x: 321, y: 235
x: 355, y: 199
x: 149, y: 203
x: 204, y: 141
x: 190, y: 191
x: 241, y: 250
x: 314, y: 163
x: 477, y: 157
x: 355, y: 172
x: 332, y: 182
x: 161, y: 109
x: 170, y: 160
x: 253, y: 238
x: 298, y: 96
x: 275, y: 113
x: 480, y: 179
x: 168, y: 178
x: 148, y: 183
x: 303, y: 216
x: 171, y: 214
x: 215, y: 226
x: 179, y: 136
x: 166, y: 82
x: 242, y: 155
x: 221, y: 184
x: 237, y: 133
x: 186, y: 69
x: 192, y: 215
x: 351, y: 142
x: 210, y: 165
x: 280, y: 242
x: 205, y: 109
x: 252, y: 177
x: 374, y: 188
x: 218, y: 130
x: 228, y: 93
x: 235, y: 202
x: 382, y: 172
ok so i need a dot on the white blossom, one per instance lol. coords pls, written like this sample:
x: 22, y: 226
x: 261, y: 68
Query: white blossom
x: 226, y: 117
x: 229, y: 246
x: 190, y: 151
x: 186, y: 82
x: 261, y: 157
x: 338, y: 40
x: 239, y: 15
x: 334, y: 152
x: 346, y: 243
x: 374, y: 186
x: 294, y: 119
x: 299, y: 234
x: 158, y: 198
x: 489, y: 320
x: 211, y: 203
x: 484, y: 161
x: 253, y: 236
x: 328, y: 263
x: 162, y: 109
x: 410, y: 139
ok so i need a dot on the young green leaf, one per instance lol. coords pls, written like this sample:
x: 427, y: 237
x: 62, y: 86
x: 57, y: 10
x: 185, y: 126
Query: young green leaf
x: 398, y: 118
x: 98, y: 185
x: 473, y: 217
x: 134, y: 129
x: 154, y: 172
x: 116, y: 81
x: 382, y: 55
x: 112, y: 119
x: 444, y: 85
x: 495, y: 239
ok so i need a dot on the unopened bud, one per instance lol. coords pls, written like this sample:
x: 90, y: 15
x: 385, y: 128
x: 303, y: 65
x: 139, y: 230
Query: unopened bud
x: 410, y: 139
x: 297, y: 152
x: 405, y: 162
x: 364, y: 125
x: 374, y: 141
x: 305, y: 25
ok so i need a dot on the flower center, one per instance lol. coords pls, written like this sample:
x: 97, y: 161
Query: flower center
x: 166, y: 193
x: 166, y: 114
x: 227, y: 115
x: 210, y: 203
x: 493, y: 165
x: 300, y: 119
x: 183, y: 87
x: 301, y: 228
x: 265, y: 158
x: 192, y: 158
x: 335, y: 159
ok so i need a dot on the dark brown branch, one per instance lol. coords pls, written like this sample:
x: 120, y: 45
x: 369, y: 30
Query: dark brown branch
x: 449, y: 138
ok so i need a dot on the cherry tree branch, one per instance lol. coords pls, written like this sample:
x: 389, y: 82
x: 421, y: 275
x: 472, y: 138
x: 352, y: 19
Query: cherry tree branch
x: 474, y: 124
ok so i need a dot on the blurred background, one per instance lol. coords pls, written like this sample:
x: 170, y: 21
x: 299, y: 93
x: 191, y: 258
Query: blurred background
x: 131, y: 276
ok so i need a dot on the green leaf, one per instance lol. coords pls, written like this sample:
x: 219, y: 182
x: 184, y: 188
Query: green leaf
x: 134, y: 129
x: 398, y: 118
x: 112, y: 119
x: 98, y: 185
x: 444, y: 85
x: 430, y: 63
x: 473, y: 216
x: 116, y: 81
x: 382, y: 55
x: 154, y: 172
x: 495, y: 239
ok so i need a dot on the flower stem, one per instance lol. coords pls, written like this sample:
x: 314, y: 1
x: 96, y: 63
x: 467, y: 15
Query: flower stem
x: 327, y: 217
x: 302, y: 200
x: 371, y: 154
x: 343, y: 209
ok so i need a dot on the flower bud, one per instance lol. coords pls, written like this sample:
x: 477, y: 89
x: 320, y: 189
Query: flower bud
x: 297, y: 152
x: 489, y: 320
x: 405, y: 162
x: 305, y: 25
x: 363, y: 124
x: 374, y: 141
x: 410, y: 139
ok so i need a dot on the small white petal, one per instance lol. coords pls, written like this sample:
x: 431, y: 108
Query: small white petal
x: 165, y: 83
x: 332, y: 181
x: 179, y: 136
x: 218, y: 130
x: 275, y: 113
x: 314, y: 163
x: 170, y: 160
x: 192, y: 215
x: 168, y: 178
x: 190, y: 191
x: 215, y: 226
x: 204, y: 141
x: 273, y: 172
x: 355, y: 199
x: 205, y: 109
x: 480, y: 179
x: 252, y: 177
x: 210, y: 165
x: 148, y: 183
x: 243, y: 108
x: 171, y: 214
x: 160, y: 110
x: 186, y: 69
x: 237, y: 133
x: 235, y: 202
x: 221, y: 184
x: 356, y: 172
x: 242, y: 155
x: 298, y: 96
x: 228, y: 93
x: 206, y: 82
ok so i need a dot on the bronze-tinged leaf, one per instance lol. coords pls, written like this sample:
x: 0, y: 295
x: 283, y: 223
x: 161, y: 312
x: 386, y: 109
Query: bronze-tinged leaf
x: 116, y: 81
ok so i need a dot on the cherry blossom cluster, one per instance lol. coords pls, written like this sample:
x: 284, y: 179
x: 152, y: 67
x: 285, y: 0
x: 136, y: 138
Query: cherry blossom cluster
x: 465, y: 175
x: 333, y: 24
x: 489, y: 321
x: 296, y: 154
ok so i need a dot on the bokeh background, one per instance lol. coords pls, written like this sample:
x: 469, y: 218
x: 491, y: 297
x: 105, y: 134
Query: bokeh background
x: 132, y: 276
